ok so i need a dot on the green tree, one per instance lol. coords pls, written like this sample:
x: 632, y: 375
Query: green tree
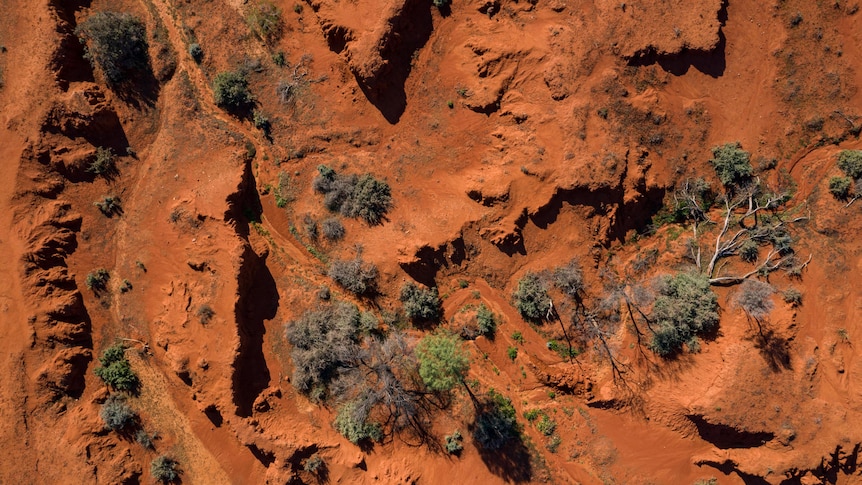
x: 732, y: 164
x: 443, y: 362
x: 117, y: 43
x: 115, y: 369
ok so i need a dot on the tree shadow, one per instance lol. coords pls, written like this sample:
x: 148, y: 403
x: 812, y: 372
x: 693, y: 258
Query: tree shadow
x: 511, y: 463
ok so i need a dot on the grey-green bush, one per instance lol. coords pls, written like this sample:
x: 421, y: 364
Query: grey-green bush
x: 420, y: 303
x: 685, y: 308
x: 850, y: 162
x: 230, y: 91
x: 531, y: 297
x: 164, y: 469
x: 352, y: 422
x: 839, y: 187
x: 355, y: 275
x: 116, y: 413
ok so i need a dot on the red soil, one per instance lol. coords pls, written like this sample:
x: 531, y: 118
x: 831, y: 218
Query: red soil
x: 515, y: 136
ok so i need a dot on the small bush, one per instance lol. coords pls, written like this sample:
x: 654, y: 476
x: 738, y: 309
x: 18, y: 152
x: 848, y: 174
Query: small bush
x: 453, y: 443
x: 792, y: 296
x: 496, y: 422
x: 546, y: 425
x: 354, y: 196
x: 353, y: 424
x: 97, y: 280
x: 144, y: 439
x: 685, y: 308
x: 443, y: 362
x: 569, y: 279
x: 332, y: 229
x: 531, y: 414
x: 103, y: 163
x: 115, y: 369
x: 839, y: 187
x: 487, y: 322
x: 116, y: 413
x: 441, y: 4
x: 420, y: 303
x: 109, y: 205
x: 850, y: 162
x: 205, y: 314
x: 749, y: 251
x: 264, y: 19
x: 755, y: 298
x: 230, y: 91
x: 260, y: 121
x: 732, y: 164
x: 313, y: 464
x: 164, y: 469
x: 196, y: 52
x: 512, y: 352
x: 117, y: 44
x: 355, y: 276
x: 531, y: 297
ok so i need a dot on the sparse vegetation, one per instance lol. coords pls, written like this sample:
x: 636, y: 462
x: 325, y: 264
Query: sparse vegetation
x: 205, y: 314
x: 732, y: 164
x: 164, y: 469
x: 261, y: 121
x: 792, y: 296
x: 115, y: 369
x: 354, y: 196
x: 264, y: 19
x: 453, y: 443
x: 546, y: 425
x: 196, y: 52
x: 569, y: 279
x: 230, y: 91
x: 109, y: 205
x: 685, y: 308
x: 443, y: 362
x: 97, y: 280
x: 420, y: 303
x: 116, y: 413
x: 117, y: 44
x: 313, y: 464
x: 355, y: 275
x: 103, y: 163
x: 531, y: 297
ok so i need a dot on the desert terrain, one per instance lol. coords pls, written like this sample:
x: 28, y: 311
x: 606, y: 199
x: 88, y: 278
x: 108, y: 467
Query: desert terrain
x: 393, y: 241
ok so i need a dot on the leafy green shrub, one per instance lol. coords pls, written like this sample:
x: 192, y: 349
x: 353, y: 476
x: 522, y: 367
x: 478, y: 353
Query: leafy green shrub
x: 103, y: 163
x: 755, y: 298
x: 97, y: 280
x: 512, y: 352
x: 116, y: 413
x: 453, y: 443
x: 117, y: 44
x: 487, y: 322
x: 115, y: 369
x: 839, y: 187
x: 230, y: 91
x: 496, y: 422
x: 531, y: 297
x: 443, y: 362
x: 531, y: 414
x: 685, y: 308
x: 164, y: 469
x: 518, y: 337
x: 355, y: 275
x: 420, y: 303
x: 569, y: 279
x: 354, y: 196
x: 850, y: 162
x: 332, y: 229
x: 264, y: 19
x: 352, y: 422
x: 324, y: 341
x: 732, y: 164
